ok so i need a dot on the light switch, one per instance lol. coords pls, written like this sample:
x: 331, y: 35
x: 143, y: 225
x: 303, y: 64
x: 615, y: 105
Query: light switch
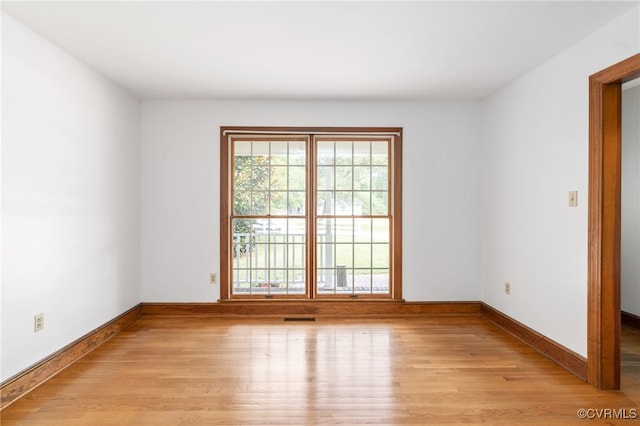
x: 573, y: 198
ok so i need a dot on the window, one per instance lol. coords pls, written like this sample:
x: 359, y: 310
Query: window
x: 310, y: 213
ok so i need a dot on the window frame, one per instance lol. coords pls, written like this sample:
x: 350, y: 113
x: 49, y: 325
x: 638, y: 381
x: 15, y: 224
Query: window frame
x: 395, y: 207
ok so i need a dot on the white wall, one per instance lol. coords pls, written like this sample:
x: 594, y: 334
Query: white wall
x: 70, y: 212
x: 630, y: 238
x: 535, y: 150
x: 180, y: 189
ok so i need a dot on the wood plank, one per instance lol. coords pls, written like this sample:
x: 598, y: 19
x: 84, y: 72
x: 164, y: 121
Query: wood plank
x: 194, y: 369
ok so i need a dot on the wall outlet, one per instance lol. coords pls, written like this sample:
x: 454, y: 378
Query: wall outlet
x: 213, y: 278
x: 507, y: 288
x: 38, y: 322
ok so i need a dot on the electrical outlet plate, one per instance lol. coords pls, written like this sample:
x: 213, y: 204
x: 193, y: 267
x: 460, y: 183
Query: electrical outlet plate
x: 507, y: 288
x: 38, y: 322
x: 212, y: 278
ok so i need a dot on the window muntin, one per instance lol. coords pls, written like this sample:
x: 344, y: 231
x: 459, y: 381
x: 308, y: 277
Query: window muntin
x: 352, y: 225
x: 268, y: 224
x: 310, y: 216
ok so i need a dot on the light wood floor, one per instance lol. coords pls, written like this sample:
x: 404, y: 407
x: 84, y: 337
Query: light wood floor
x: 425, y: 370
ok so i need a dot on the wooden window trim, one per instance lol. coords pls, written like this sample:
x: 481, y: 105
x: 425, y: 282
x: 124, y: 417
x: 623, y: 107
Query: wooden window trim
x: 395, y: 204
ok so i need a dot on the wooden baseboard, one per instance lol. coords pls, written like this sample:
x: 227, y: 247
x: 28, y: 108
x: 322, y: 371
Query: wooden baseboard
x: 561, y: 355
x: 18, y: 385
x: 630, y: 320
x: 344, y: 308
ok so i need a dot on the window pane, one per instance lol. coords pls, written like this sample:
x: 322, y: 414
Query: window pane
x: 325, y: 178
x: 296, y: 255
x: 380, y: 152
x: 380, y: 178
x: 259, y: 203
x: 362, y: 153
x: 297, y: 178
x: 278, y: 203
x: 326, y: 280
x: 279, y: 178
x: 296, y: 281
x: 241, y: 282
x: 344, y: 229
x: 242, y: 203
x: 344, y: 153
x: 241, y: 226
x: 380, y: 280
x: 380, y: 230
x: 325, y: 255
x: 362, y: 255
x: 326, y: 155
x: 242, y: 172
x: 338, y: 280
x: 260, y: 152
x: 379, y: 203
x: 297, y: 153
x: 258, y: 178
x: 344, y: 177
x: 362, y: 178
x: 260, y: 281
x: 362, y: 203
x: 325, y: 235
x: 263, y: 177
x: 344, y: 255
x: 362, y: 229
x: 279, y: 153
x: 295, y: 229
x: 242, y: 149
x: 344, y: 203
x: 326, y: 203
x: 380, y: 255
x: 269, y: 257
x: 278, y: 279
x: 362, y: 281
x: 296, y: 203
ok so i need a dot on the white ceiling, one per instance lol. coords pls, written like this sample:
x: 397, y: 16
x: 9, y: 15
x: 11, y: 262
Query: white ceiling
x: 314, y: 50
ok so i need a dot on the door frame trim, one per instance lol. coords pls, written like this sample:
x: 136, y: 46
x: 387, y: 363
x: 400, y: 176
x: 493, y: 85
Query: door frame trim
x: 603, y: 275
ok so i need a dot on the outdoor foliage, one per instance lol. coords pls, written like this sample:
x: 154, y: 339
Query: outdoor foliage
x: 254, y: 184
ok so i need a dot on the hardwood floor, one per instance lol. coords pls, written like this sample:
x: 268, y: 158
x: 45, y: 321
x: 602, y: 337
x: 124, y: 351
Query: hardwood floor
x: 630, y: 359
x: 449, y: 369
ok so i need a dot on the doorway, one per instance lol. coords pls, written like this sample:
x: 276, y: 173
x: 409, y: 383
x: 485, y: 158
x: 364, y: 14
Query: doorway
x: 605, y: 136
x: 630, y: 237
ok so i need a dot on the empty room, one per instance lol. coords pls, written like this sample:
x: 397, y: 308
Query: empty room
x: 320, y: 212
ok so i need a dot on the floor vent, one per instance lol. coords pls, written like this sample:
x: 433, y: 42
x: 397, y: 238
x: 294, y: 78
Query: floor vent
x: 299, y: 319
